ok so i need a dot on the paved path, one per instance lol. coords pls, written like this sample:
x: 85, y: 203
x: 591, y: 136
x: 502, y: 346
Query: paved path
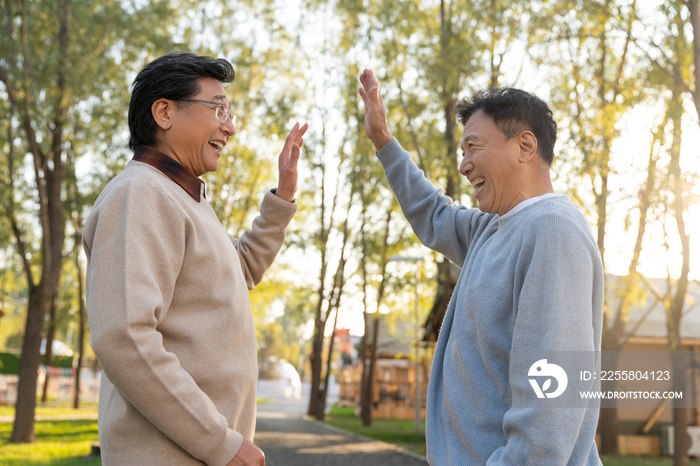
x: 290, y: 440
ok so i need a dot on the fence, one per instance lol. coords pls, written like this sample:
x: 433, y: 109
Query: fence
x: 61, y: 385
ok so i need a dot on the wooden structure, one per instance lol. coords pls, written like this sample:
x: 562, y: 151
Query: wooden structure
x: 393, y: 391
x: 640, y: 428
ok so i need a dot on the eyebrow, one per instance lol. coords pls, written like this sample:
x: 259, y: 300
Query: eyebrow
x: 219, y: 97
x: 468, y: 139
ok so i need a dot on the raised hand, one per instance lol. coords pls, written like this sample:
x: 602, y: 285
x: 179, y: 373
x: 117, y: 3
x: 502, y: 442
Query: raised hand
x: 375, y: 112
x: 288, y: 159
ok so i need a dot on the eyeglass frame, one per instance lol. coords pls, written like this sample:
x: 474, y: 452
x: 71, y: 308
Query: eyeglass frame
x: 229, y: 114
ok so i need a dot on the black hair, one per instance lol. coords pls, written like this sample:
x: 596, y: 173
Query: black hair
x: 514, y: 110
x: 173, y: 76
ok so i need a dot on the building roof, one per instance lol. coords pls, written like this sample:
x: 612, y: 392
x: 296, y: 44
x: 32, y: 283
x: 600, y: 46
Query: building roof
x: 647, y: 318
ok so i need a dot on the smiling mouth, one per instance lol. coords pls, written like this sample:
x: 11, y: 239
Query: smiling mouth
x: 478, y: 184
x: 216, y: 145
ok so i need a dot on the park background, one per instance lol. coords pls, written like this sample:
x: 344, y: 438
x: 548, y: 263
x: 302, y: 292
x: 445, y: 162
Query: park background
x: 621, y: 77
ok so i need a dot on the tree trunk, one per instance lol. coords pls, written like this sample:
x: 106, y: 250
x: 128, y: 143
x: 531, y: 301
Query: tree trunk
x: 319, y: 324
x: 23, y: 428
x: 316, y: 363
x: 675, y: 311
x: 613, y: 338
x: 48, y: 354
x: 368, y: 387
x: 321, y: 409
x: 366, y: 412
x: 448, y: 95
x: 49, y: 183
x: 81, y: 322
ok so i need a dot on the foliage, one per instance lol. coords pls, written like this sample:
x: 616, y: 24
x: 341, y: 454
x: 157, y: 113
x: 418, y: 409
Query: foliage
x: 13, y: 299
x: 59, y: 443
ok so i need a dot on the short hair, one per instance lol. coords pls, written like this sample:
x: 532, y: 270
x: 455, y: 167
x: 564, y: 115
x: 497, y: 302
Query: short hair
x: 514, y: 110
x: 173, y: 76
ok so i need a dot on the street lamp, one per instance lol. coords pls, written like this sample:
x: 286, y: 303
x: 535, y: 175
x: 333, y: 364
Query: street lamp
x: 416, y: 392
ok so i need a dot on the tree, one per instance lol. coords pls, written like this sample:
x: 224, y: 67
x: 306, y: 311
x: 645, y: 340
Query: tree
x: 48, y: 172
x: 69, y: 68
x: 594, y: 84
x: 678, y: 56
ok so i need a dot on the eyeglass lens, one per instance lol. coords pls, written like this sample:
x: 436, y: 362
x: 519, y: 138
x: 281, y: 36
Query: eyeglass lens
x: 223, y: 114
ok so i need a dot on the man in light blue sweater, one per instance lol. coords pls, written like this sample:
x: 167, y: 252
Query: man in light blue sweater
x: 531, y: 281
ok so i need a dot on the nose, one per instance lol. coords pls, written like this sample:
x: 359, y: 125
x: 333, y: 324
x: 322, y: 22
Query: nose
x: 466, y: 165
x: 230, y: 126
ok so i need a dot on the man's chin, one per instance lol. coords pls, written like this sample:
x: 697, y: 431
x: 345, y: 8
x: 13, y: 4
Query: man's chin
x: 212, y: 167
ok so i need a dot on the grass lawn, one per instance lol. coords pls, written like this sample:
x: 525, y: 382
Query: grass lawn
x: 641, y: 461
x: 58, y: 443
x: 54, y: 409
x: 400, y: 433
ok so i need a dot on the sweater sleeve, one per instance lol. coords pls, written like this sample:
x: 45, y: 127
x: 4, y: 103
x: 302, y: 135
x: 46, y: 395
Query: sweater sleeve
x: 558, y: 288
x: 437, y: 221
x: 258, y: 246
x: 135, y: 243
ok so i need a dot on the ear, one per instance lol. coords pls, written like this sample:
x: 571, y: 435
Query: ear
x: 161, y: 111
x: 528, y: 146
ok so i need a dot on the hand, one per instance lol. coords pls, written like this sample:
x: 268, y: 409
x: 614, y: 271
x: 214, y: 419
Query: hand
x: 289, y: 157
x: 249, y: 454
x: 375, y: 112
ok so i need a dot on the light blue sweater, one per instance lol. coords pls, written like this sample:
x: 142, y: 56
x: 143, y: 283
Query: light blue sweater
x: 532, y: 281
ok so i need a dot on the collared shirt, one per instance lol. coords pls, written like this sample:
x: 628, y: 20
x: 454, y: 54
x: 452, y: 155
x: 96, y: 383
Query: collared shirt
x: 194, y: 186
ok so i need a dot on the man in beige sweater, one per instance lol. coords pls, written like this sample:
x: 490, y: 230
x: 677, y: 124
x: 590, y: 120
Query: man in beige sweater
x: 167, y: 291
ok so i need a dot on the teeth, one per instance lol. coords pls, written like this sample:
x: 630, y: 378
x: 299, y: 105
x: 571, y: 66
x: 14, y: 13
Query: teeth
x: 478, y: 182
x: 216, y: 144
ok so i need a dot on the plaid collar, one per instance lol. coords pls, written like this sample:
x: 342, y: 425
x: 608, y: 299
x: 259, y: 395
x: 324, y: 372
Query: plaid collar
x: 173, y: 169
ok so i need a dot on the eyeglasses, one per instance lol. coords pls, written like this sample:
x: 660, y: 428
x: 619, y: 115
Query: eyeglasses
x: 223, y: 113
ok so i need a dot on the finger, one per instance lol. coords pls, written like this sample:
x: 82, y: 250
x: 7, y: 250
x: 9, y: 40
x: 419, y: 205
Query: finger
x: 371, y: 81
x: 302, y: 131
x: 294, y: 158
x: 290, y: 139
x: 298, y: 144
x: 299, y: 136
x: 363, y: 95
x: 292, y: 134
x: 294, y: 154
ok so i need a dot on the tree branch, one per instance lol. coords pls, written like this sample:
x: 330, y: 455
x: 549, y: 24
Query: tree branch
x: 10, y: 206
x: 22, y: 249
x: 411, y: 129
x: 675, y: 74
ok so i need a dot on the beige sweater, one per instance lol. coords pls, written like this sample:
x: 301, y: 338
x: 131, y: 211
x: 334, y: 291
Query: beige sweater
x: 170, y: 320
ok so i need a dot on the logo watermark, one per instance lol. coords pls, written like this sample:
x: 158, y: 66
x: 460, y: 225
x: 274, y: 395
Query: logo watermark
x: 551, y: 371
x: 591, y: 380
